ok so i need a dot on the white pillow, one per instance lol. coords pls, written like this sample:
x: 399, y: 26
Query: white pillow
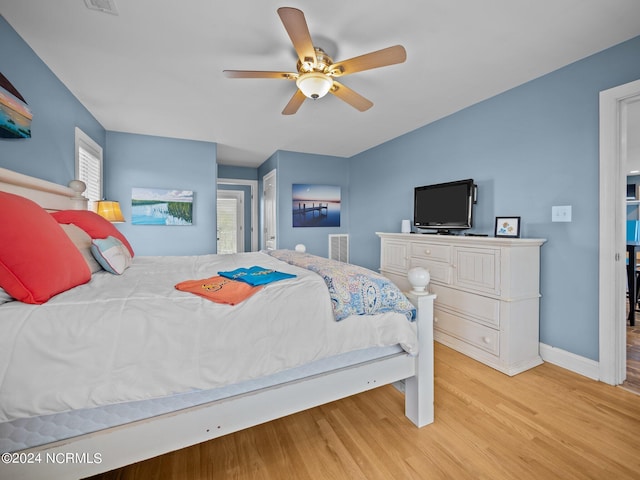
x: 82, y: 240
x: 4, y: 296
x: 111, y: 254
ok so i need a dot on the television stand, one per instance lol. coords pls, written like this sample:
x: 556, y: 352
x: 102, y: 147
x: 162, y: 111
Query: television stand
x: 487, y: 292
x: 439, y: 232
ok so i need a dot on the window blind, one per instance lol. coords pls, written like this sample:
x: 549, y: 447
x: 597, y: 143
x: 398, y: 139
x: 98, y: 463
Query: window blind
x: 89, y: 173
x: 89, y: 167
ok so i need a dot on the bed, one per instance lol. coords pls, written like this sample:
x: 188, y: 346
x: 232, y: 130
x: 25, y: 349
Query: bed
x: 124, y: 364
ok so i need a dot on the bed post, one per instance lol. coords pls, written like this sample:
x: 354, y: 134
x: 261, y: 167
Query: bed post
x: 419, y: 388
x: 78, y: 200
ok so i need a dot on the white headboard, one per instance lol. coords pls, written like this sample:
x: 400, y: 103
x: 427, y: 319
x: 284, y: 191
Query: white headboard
x: 48, y: 195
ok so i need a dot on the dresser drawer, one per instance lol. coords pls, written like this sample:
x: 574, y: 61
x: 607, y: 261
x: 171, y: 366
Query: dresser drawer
x: 431, y: 251
x: 476, y: 307
x: 440, y: 272
x: 480, y: 336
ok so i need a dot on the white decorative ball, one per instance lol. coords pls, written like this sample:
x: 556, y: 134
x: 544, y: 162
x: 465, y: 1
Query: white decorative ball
x: 419, y: 278
x: 301, y: 248
x: 77, y: 186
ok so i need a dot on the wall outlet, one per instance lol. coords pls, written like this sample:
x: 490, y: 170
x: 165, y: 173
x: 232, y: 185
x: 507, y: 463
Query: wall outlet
x: 561, y: 213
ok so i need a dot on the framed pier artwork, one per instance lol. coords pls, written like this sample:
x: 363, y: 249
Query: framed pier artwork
x: 315, y: 205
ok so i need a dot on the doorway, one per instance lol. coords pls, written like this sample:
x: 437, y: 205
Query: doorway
x: 250, y: 189
x: 270, y: 237
x: 614, y: 110
x: 230, y: 215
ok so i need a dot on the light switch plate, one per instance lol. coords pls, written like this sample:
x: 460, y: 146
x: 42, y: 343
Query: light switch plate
x: 561, y: 213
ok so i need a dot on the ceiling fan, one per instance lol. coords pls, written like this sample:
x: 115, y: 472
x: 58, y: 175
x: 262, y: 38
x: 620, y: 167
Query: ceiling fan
x: 316, y: 71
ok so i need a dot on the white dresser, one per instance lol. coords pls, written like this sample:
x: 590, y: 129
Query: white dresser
x: 488, y: 292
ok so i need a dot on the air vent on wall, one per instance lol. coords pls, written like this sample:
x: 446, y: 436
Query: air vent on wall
x: 106, y: 6
x: 339, y: 247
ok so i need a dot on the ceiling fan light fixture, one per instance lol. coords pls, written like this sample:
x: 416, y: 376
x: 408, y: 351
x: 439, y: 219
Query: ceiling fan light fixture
x: 314, y: 84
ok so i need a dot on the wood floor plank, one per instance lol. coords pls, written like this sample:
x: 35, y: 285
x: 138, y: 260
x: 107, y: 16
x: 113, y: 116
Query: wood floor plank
x: 633, y: 357
x: 544, y: 423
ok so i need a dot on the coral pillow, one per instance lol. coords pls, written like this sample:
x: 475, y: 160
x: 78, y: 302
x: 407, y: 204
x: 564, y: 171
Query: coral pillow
x: 37, y: 258
x: 93, y: 224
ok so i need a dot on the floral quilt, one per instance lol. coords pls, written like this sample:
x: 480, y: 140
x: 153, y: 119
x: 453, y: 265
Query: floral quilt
x: 354, y: 290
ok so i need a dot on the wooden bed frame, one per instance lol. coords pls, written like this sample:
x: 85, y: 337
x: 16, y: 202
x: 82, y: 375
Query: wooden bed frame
x: 115, y: 447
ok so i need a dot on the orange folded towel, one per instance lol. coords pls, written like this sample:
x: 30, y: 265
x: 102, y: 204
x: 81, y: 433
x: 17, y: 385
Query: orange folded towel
x: 219, y: 289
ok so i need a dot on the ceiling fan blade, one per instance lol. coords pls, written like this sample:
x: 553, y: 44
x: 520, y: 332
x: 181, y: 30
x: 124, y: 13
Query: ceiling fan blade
x: 294, y: 104
x: 259, y: 74
x: 379, y: 58
x: 354, y: 99
x: 296, y: 26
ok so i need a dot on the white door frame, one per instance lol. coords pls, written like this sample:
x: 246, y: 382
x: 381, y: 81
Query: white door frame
x: 253, y: 184
x: 270, y: 221
x: 612, y: 254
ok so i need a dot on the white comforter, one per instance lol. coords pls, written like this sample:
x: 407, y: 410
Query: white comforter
x: 134, y: 336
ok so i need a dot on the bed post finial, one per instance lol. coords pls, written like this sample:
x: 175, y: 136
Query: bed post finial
x: 78, y: 187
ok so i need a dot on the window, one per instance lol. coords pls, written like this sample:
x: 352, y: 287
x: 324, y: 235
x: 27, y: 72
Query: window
x: 89, y: 166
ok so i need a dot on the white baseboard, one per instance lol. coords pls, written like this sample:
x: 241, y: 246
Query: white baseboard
x: 581, y: 365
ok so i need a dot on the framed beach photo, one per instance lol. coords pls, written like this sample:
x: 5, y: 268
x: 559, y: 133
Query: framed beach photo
x: 159, y: 206
x: 507, y: 227
x: 15, y: 116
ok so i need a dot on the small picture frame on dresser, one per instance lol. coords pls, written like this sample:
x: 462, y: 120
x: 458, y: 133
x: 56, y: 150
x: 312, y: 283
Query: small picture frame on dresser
x: 507, y: 227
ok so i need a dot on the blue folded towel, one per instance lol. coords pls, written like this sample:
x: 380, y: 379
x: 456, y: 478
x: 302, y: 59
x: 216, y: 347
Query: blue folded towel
x: 256, y: 275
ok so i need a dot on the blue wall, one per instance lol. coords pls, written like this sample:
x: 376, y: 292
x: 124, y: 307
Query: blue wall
x: 129, y: 160
x: 49, y: 153
x: 528, y: 149
x: 158, y: 162
x: 293, y: 168
x: 241, y: 173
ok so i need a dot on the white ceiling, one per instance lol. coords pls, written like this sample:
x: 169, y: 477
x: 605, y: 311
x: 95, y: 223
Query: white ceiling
x: 156, y: 67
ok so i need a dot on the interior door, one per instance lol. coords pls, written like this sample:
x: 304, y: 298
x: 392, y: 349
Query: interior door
x: 270, y: 237
x: 612, y: 266
x: 230, y: 215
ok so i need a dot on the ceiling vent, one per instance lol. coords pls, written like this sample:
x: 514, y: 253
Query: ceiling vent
x: 106, y: 6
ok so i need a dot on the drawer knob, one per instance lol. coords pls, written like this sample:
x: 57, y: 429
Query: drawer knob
x: 427, y: 252
x: 435, y: 319
x: 486, y: 339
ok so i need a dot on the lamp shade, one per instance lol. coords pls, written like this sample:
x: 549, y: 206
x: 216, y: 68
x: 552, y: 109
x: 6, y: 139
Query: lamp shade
x: 110, y: 210
x: 314, y: 84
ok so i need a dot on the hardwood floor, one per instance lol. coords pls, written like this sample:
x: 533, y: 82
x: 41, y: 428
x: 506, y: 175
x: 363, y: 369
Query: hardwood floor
x: 632, y: 383
x: 546, y: 423
x: 633, y: 357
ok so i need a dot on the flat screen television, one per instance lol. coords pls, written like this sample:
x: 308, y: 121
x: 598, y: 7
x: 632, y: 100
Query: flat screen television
x: 444, y: 206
